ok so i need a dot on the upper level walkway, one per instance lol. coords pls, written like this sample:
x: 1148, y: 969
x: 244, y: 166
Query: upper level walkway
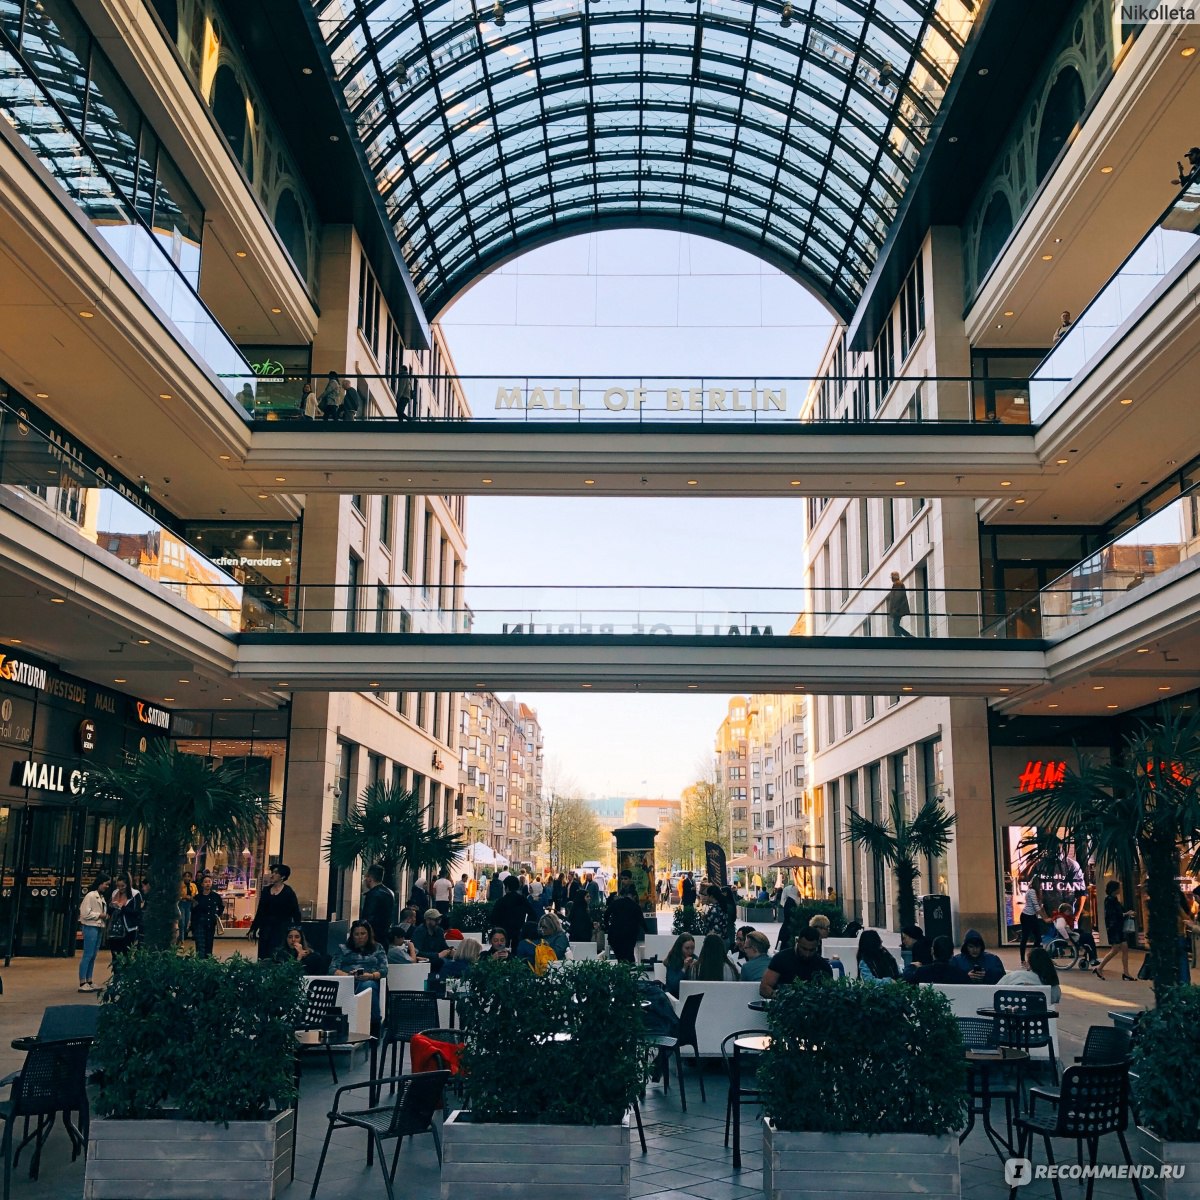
x: 663, y: 435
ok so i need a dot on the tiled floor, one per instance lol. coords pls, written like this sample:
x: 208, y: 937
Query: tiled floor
x: 686, y: 1156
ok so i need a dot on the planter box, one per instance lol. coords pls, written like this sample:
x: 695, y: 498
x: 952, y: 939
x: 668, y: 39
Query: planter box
x: 478, y: 1160
x: 749, y: 913
x: 188, y: 1160
x: 1157, y: 1153
x: 800, y: 1166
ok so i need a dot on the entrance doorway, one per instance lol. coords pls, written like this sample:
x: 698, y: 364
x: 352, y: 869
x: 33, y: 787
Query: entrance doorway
x: 40, y: 847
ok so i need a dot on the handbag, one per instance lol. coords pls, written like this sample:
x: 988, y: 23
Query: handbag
x: 1129, y: 925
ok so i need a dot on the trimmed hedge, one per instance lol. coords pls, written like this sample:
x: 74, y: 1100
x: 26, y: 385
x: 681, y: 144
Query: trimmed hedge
x: 1164, y: 1059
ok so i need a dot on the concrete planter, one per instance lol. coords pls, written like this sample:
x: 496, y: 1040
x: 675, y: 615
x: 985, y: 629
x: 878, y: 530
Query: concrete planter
x: 478, y: 1160
x: 748, y: 914
x: 815, y: 1166
x: 1184, y: 1157
x: 188, y: 1160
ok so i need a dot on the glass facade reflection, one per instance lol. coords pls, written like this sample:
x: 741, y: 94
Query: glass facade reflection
x: 790, y: 129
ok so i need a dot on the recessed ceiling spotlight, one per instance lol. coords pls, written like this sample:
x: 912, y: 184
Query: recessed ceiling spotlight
x: 226, y: 699
x: 1112, y: 706
x: 1164, y: 687
x: 183, y: 681
x: 1127, y: 400
x: 86, y: 313
x: 906, y: 688
x: 374, y: 683
x: 224, y: 457
x: 589, y: 482
x: 120, y: 681
x: 1006, y: 483
x: 1187, y: 52
x: 692, y: 686
x: 1143, y: 649
x: 277, y: 311
x: 1106, y: 170
x: 1010, y: 312
x: 485, y: 481
x: 999, y: 325
x: 902, y: 483
x: 57, y: 600
x: 1062, y: 462
x: 333, y: 137
x: 1006, y: 689
x: 1019, y: 500
x: 1047, y: 257
x: 263, y: 496
x: 1097, y: 687
x: 165, y: 396
x: 983, y: 72
x: 240, y: 253
x: 41, y: 395
x: 15, y: 641
x: 692, y: 482
x: 306, y: 70
x: 281, y: 479
x: 795, y: 483
x: 143, y: 641
x: 953, y: 141
x: 1051, y: 705
x: 585, y: 685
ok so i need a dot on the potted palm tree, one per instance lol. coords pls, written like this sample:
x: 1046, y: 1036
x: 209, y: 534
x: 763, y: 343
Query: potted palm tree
x: 552, y: 1064
x: 173, y: 799
x: 197, y: 1061
x: 865, y: 1080
x: 388, y: 826
x: 901, y: 843
x: 1142, y: 809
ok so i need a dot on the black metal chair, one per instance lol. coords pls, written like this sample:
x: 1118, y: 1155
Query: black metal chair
x: 319, y: 1003
x: 60, y: 1022
x: 407, y: 1013
x: 417, y: 1099
x: 452, y: 1037
x: 1030, y: 1028
x: 53, y: 1080
x: 979, y: 1033
x: 1091, y: 1102
x: 1105, y: 1045
x: 745, y: 1059
x: 687, y: 1037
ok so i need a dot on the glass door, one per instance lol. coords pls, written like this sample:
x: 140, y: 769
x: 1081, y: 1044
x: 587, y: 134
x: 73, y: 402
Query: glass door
x: 47, y: 881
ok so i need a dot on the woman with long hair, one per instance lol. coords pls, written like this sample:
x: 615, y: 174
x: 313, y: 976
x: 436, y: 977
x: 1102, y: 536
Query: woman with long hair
x: 580, y: 918
x: 295, y: 948
x: 1040, y: 972
x: 713, y: 965
x: 366, y: 960
x: 679, y: 961
x: 874, y: 959
x: 93, y: 916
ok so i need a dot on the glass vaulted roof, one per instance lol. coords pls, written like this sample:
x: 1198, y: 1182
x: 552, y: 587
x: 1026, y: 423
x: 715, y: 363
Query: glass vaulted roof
x: 790, y: 129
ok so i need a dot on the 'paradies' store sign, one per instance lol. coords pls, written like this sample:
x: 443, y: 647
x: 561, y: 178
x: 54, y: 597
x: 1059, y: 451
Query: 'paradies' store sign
x: 52, y: 725
x: 602, y: 399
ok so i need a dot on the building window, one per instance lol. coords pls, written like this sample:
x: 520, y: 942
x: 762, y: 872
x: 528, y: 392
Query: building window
x: 912, y: 309
x: 386, y: 508
x: 889, y: 523
x: 382, y: 607
x: 353, y: 575
x: 357, y: 502
x: 864, y: 538
x: 885, y: 363
x: 368, y: 306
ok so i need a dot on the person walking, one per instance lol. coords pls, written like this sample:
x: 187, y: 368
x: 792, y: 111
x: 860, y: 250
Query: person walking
x: 625, y: 923
x: 378, y: 905
x: 207, y: 910
x: 330, y: 401
x: 460, y: 891
x: 93, y: 916
x: 278, y: 911
x: 897, y: 606
x: 1033, y: 913
x: 1120, y: 927
x: 352, y: 404
x: 404, y: 394
x: 443, y: 891
x: 187, y: 893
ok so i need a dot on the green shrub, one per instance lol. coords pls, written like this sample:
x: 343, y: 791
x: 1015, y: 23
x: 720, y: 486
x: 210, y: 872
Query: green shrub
x: 863, y: 1057
x: 469, y: 917
x: 197, y: 1038
x: 1164, y: 1059
x: 516, y: 1074
x: 687, y: 920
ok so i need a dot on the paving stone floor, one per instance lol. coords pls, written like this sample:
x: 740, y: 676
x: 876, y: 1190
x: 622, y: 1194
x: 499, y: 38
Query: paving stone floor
x: 686, y: 1156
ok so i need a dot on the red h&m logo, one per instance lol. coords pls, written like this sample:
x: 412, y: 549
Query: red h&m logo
x: 1039, y: 774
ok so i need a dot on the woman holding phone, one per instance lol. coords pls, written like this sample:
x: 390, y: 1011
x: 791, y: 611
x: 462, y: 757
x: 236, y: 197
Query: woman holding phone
x: 366, y: 960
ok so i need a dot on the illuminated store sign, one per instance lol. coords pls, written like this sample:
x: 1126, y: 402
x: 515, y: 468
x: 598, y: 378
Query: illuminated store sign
x: 1039, y: 774
x: 16, y: 671
x: 46, y: 777
x: 149, y: 715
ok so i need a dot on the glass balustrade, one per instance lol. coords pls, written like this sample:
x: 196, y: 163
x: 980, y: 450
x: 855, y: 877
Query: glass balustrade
x: 159, y: 261
x: 1157, y: 260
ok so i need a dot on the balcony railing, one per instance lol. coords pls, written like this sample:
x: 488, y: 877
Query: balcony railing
x: 623, y: 400
x: 45, y: 128
x: 1160, y: 257
x: 1154, y: 548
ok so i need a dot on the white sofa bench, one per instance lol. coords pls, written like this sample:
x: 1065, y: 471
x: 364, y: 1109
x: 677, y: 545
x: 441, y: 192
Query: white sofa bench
x: 722, y: 1011
x: 356, y: 1006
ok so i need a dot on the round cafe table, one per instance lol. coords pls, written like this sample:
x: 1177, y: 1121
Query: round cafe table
x: 750, y: 1043
x: 983, y: 1062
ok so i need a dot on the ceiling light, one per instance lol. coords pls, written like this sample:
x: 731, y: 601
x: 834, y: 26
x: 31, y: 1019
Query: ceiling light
x: 692, y: 685
x: 999, y: 325
x: 306, y: 70
x: 1062, y: 462
x: 1051, y: 705
x: 1018, y: 501
x: 589, y: 482
x: 795, y: 483
x: 226, y: 699
x: 86, y: 313
x: 692, y: 482
x: 906, y: 688
x: 1047, y: 257
x: 224, y: 457
x: 585, y: 685
x: 277, y: 311
x: 120, y: 681
x: 1187, y: 51
x: 143, y: 641
x: 374, y: 683
x: 240, y: 253
x: 168, y: 699
x: 333, y: 137
x: 485, y: 481
x: 901, y: 482
x: 785, y: 16
x: 1127, y: 400
x: 57, y: 600
x: 165, y: 396
x: 183, y: 681
x: 1164, y: 687
x: 262, y: 496
x: 281, y: 479
x: 1006, y: 483
x: 1106, y: 170
x: 1008, y: 312
x: 41, y: 395
x: 1006, y: 689
x: 982, y: 72
x: 15, y: 641
x: 1143, y: 649
x: 953, y: 141
x: 282, y: 683
x: 1097, y: 687
x: 1112, y: 706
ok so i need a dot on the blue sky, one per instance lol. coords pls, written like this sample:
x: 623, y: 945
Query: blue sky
x: 622, y: 303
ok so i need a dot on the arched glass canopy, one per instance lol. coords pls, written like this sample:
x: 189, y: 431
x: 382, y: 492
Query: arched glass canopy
x: 790, y: 129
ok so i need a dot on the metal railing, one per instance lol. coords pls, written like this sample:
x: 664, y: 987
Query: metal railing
x: 622, y: 400
x: 1161, y: 255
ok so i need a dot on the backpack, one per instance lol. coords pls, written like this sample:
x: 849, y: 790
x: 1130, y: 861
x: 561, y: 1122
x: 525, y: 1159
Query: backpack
x: 543, y: 956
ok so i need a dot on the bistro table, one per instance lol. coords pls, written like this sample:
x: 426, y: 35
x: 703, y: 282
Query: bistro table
x: 983, y: 1061
x: 760, y: 1005
x: 1013, y: 1028
x: 751, y: 1043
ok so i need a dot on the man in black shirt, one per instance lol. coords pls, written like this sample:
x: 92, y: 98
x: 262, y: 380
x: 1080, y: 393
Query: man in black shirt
x: 428, y: 938
x: 625, y: 923
x: 800, y: 964
x: 378, y: 905
x: 512, y: 910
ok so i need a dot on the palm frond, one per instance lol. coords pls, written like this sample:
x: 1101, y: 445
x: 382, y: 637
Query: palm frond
x: 878, y: 838
x: 932, y: 829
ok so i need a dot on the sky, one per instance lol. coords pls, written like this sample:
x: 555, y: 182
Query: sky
x: 623, y: 303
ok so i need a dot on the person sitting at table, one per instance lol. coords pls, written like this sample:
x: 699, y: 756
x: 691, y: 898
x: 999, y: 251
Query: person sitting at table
x: 401, y: 949
x: 463, y: 956
x: 679, y: 961
x: 408, y: 922
x: 800, y: 963
x: 1040, y: 973
x: 821, y: 924
x: 366, y: 960
x: 739, y: 940
x: 944, y: 968
x: 429, y: 940
x: 913, y: 939
x: 528, y: 942
x: 875, y: 962
x: 713, y: 965
x: 757, y: 949
x: 497, y: 946
x: 296, y: 949
x: 974, y: 959
x: 552, y: 932
x: 922, y: 956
